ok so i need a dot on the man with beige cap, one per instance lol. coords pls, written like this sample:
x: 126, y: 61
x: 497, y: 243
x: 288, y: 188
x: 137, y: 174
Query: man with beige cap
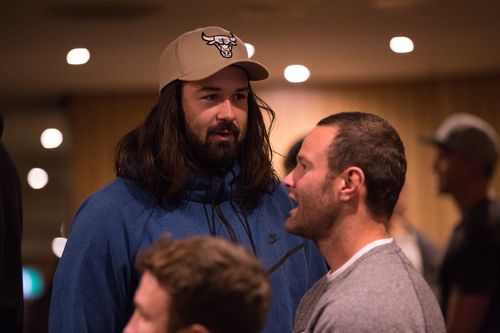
x: 469, y: 278
x: 199, y: 164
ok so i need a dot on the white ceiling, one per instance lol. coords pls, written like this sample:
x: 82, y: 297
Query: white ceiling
x: 341, y: 41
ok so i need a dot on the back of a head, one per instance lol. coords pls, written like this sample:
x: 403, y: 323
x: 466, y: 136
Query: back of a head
x: 470, y: 137
x: 372, y: 144
x: 211, y: 282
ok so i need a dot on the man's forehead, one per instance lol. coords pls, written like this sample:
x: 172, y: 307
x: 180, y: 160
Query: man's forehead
x: 318, y: 141
x: 320, y: 136
x: 229, y: 76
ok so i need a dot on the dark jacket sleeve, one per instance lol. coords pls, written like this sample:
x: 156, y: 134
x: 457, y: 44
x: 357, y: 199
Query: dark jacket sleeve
x: 94, y: 280
x: 11, y: 289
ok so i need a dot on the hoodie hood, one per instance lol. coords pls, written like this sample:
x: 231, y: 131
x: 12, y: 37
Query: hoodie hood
x: 212, y: 188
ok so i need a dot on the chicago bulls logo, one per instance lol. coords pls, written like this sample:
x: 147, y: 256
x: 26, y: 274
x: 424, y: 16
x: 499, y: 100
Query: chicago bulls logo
x: 223, y: 43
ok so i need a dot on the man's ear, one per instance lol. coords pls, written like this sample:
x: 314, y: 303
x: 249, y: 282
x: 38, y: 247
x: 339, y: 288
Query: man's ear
x: 194, y: 328
x: 352, y: 180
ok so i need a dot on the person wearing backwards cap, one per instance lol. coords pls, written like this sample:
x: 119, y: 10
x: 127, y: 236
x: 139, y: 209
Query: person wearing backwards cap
x: 469, y: 277
x: 199, y: 164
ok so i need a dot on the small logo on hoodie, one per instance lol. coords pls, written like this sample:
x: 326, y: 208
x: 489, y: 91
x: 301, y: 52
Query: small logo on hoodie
x: 272, y: 238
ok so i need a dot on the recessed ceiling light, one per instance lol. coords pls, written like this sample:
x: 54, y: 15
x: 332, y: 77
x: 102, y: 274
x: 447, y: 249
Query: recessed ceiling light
x: 78, y: 56
x: 58, y: 245
x: 37, y: 178
x: 401, y: 44
x: 250, y: 49
x: 51, y: 138
x: 296, y: 73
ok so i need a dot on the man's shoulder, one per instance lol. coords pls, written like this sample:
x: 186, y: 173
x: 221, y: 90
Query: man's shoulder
x: 120, y: 191
x: 114, y: 202
x: 384, y: 270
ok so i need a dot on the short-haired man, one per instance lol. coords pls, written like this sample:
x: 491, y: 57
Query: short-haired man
x: 349, y: 173
x: 199, y: 164
x: 199, y: 285
x: 469, y: 277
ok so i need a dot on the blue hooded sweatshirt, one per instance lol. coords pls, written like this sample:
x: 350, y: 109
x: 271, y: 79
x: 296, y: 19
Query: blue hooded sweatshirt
x: 96, y: 277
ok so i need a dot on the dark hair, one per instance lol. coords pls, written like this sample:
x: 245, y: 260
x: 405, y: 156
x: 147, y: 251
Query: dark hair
x: 156, y: 154
x: 372, y: 144
x: 291, y: 156
x: 211, y: 282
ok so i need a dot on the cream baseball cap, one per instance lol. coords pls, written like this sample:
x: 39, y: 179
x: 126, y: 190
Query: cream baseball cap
x: 197, y: 54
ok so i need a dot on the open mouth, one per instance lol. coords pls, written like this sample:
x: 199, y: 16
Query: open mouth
x: 224, y: 131
x: 224, y: 135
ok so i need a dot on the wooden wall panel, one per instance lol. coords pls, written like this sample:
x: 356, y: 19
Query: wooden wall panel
x: 97, y: 124
x: 412, y: 108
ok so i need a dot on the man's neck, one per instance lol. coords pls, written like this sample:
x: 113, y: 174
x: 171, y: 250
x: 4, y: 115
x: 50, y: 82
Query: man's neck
x: 349, y: 236
x: 470, y: 196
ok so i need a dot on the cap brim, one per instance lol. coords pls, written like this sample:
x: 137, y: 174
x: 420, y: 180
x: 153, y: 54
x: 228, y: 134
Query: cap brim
x: 428, y: 140
x: 255, y: 70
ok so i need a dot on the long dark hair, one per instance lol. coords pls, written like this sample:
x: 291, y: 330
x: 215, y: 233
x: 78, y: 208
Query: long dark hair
x: 156, y: 153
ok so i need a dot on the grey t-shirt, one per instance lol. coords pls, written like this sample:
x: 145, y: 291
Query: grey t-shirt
x: 379, y: 292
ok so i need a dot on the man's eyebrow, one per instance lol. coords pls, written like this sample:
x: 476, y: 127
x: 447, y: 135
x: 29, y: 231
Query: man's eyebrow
x: 216, y: 89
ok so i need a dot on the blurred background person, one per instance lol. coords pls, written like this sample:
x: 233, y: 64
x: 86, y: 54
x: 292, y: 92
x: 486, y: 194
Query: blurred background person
x: 200, y: 285
x: 469, y: 278
x: 11, y: 218
x: 290, y: 160
x: 423, y: 253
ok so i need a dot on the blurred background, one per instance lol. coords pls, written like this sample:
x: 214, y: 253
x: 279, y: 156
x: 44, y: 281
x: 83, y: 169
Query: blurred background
x: 345, y: 44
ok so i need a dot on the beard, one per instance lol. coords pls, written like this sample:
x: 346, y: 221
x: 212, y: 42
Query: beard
x: 314, y: 216
x: 212, y: 154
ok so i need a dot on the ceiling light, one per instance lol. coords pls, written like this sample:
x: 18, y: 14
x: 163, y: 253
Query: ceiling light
x: 250, y: 49
x: 37, y: 178
x: 401, y: 44
x: 296, y: 73
x: 58, y: 245
x: 78, y: 56
x: 51, y: 138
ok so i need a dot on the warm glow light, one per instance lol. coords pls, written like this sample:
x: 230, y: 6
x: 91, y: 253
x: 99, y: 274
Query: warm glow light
x: 37, y: 178
x: 51, y: 138
x: 78, y: 56
x: 58, y: 245
x: 401, y: 44
x: 250, y: 49
x: 296, y: 73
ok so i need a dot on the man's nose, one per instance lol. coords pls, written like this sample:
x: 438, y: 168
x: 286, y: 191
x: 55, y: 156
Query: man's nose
x: 226, y: 111
x: 288, y: 180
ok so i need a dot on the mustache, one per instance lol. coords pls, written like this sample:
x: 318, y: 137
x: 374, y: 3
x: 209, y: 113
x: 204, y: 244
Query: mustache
x: 224, y: 126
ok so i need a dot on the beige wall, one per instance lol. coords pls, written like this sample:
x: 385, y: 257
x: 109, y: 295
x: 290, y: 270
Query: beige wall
x: 412, y: 108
